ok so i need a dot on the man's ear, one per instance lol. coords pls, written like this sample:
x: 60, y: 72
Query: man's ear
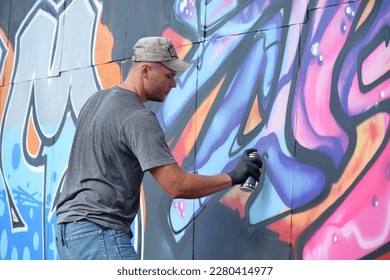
x: 145, y: 68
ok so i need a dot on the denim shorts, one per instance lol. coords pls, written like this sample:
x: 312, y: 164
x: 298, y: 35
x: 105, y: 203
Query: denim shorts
x: 85, y: 240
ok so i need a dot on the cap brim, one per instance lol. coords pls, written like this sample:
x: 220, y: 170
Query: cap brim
x: 177, y: 65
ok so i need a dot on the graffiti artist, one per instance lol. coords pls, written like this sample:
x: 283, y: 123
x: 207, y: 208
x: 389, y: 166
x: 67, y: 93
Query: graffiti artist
x: 117, y: 140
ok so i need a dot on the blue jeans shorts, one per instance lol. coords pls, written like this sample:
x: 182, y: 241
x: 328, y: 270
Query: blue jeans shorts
x: 85, y: 240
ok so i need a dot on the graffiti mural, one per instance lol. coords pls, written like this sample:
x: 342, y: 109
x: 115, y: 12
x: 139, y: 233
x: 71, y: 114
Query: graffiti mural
x: 307, y: 82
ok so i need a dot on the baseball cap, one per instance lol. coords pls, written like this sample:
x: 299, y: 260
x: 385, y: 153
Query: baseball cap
x: 158, y: 49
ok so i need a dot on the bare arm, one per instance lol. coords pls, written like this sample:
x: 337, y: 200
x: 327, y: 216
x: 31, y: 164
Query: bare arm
x: 180, y: 184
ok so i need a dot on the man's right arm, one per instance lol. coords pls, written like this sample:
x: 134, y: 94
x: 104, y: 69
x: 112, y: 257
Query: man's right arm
x: 181, y: 184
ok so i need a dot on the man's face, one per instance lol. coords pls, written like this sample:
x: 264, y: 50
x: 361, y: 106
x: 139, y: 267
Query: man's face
x: 160, y: 80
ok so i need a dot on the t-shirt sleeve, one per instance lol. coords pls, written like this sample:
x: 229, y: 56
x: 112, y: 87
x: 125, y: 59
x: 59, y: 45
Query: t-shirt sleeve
x: 143, y: 135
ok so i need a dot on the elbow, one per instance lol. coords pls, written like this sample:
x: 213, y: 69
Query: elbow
x: 177, y: 188
x: 173, y: 180
x: 175, y: 195
x: 176, y: 191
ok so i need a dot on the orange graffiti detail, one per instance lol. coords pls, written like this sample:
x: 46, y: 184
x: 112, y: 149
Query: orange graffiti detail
x: 109, y: 73
x: 5, y: 76
x: 254, y: 117
x: 181, y: 44
x: 236, y: 199
x: 186, y: 141
x: 367, y: 11
x: 33, y: 142
x: 3, y: 97
x: 384, y: 257
x: 143, y: 207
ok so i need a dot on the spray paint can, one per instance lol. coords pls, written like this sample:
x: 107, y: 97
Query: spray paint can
x: 250, y: 184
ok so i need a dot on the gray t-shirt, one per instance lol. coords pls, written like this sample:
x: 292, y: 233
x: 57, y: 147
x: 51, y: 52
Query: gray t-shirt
x: 117, y: 139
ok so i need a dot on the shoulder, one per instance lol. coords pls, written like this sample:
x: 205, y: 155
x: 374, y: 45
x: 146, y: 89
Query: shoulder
x: 143, y: 118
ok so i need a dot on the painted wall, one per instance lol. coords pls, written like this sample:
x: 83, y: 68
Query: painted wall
x: 306, y: 81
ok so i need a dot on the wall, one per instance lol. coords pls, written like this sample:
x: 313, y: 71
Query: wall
x: 306, y: 81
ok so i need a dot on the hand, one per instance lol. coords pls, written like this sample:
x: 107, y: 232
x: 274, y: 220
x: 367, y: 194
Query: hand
x: 247, y: 166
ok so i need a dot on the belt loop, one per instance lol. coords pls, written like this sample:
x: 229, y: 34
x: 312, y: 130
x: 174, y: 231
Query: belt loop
x: 63, y: 234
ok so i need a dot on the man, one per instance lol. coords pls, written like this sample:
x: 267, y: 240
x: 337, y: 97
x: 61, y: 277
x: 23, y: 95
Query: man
x: 117, y: 139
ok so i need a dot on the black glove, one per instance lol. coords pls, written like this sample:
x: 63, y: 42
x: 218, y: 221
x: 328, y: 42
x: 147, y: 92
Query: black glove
x: 247, y: 166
